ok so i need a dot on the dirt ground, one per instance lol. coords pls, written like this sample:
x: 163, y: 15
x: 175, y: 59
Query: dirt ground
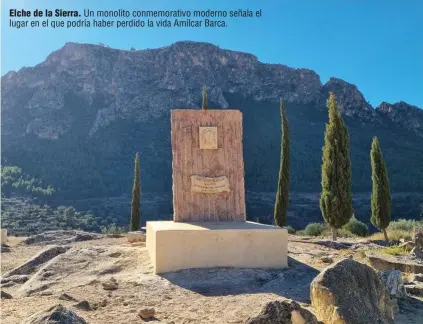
x: 224, y: 295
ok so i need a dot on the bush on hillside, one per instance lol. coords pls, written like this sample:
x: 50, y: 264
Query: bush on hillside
x: 112, y: 229
x: 314, y: 229
x: 402, y: 225
x: 355, y: 227
x: 290, y: 229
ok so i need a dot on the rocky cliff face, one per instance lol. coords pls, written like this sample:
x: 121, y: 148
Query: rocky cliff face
x: 403, y: 114
x: 350, y: 100
x: 158, y: 80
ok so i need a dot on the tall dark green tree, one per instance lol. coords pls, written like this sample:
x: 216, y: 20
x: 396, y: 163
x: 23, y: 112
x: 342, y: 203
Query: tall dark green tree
x: 204, y: 96
x: 381, y: 196
x: 282, y: 195
x: 336, y: 197
x: 136, y: 197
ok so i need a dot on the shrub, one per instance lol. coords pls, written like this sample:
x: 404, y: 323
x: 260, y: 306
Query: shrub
x: 395, y: 250
x: 314, y: 229
x: 290, y: 229
x: 300, y: 233
x: 402, y: 225
x: 112, y: 229
x: 355, y: 227
x: 394, y: 235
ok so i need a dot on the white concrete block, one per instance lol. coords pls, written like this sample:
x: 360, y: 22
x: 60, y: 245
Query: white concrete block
x: 175, y: 246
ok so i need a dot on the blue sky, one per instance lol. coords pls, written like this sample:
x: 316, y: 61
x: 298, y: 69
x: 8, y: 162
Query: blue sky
x: 375, y: 44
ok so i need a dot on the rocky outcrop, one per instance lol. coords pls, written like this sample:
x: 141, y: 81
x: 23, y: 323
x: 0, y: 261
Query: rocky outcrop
x: 56, y: 315
x: 5, y: 295
x: 60, y: 237
x: 350, y: 100
x: 35, y: 262
x: 158, y: 80
x: 283, y: 312
x: 15, y: 279
x: 394, y: 283
x: 155, y: 79
x: 403, y: 114
x: 351, y: 292
x: 387, y: 262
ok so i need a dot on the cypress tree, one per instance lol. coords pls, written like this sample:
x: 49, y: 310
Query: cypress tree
x: 282, y: 195
x: 204, y: 95
x: 381, y: 196
x: 136, y: 197
x: 336, y: 198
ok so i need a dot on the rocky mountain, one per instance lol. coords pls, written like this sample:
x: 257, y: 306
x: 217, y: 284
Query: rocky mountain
x: 77, y: 118
x: 403, y: 114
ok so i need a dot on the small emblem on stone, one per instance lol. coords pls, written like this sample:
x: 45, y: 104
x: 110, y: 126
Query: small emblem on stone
x: 208, y: 138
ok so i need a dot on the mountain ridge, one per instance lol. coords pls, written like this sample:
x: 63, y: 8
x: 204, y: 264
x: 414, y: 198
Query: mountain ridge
x: 272, y: 81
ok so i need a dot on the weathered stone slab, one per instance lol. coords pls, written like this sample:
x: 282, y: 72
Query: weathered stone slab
x: 387, y: 262
x: 136, y: 236
x: 3, y: 236
x: 207, y: 144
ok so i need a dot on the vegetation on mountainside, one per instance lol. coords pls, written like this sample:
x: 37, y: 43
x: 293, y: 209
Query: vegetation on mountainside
x: 282, y: 195
x: 23, y: 211
x: 21, y: 217
x: 15, y: 182
x: 336, y: 197
x: 381, y: 195
x: 82, y: 167
x: 135, y: 222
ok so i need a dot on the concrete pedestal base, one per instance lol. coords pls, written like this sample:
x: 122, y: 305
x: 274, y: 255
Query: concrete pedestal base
x: 175, y: 246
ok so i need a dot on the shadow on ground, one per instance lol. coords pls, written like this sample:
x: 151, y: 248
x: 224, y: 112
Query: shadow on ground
x: 292, y: 282
x: 410, y: 311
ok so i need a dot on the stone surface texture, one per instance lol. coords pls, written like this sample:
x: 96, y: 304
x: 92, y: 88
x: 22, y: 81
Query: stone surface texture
x: 388, y: 262
x: 136, y: 236
x: 394, y: 283
x: 56, y: 315
x: 351, y: 292
x: 188, y: 160
x: 286, y: 312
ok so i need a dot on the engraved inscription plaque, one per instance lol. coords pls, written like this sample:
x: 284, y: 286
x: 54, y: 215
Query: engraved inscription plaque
x: 208, y: 138
x: 209, y: 185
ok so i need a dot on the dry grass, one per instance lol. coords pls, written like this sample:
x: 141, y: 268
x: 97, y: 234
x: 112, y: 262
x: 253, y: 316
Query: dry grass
x: 394, y: 250
x: 393, y: 235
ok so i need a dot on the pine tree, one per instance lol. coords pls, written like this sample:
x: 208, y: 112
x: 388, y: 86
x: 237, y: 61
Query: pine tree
x: 136, y: 197
x: 282, y: 195
x: 336, y: 198
x: 381, y: 196
x: 204, y: 95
